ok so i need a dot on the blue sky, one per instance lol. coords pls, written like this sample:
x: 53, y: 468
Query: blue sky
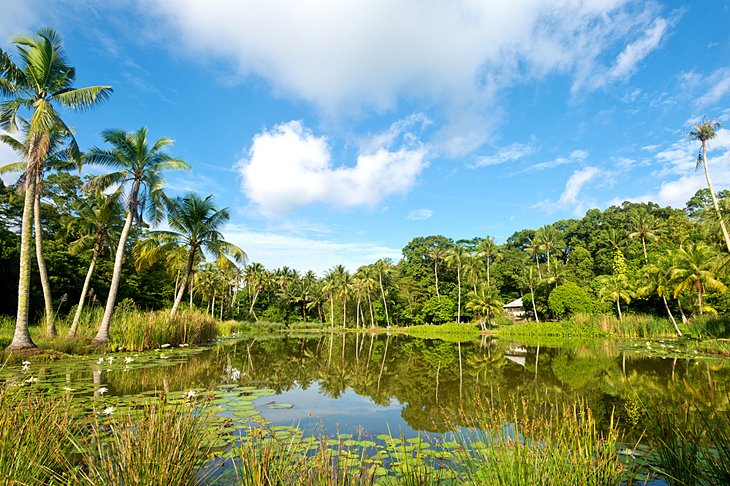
x: 337, y: 131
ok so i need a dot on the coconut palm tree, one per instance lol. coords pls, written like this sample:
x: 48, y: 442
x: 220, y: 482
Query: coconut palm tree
x: 58, y: 156
x: 255, y: 277
x: 534, y: 249
x: 485, y: 304
x: 615, y: 288
x: 657, y: 280
x: 437, y: 254
x: 472, y: 269
x: 548, y: 239
x: 98, y: 215
x: 694, y: 269
x: 703, y: 132
x: 383, y: 267
x: 644, y: 226
x: 487, y: 249
x: 457, y: 256
x: 139, y: 166
x: 196, y: 224
x: 42, y: 80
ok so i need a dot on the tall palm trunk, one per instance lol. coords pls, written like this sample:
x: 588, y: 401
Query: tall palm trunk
x: 618, y: 307
x: 714, y: 199
x: 671, y: 317
x: 385, y: 302
x: 488, y: 265
x: 187, y: 278
x: 458, y: 281
x: 21, y: 337
x: 436, y: 272
x: 643, y: 245
x: 534, y: 309
x: 102, y: 336
x: 85, y: 289
x: 40, y: 259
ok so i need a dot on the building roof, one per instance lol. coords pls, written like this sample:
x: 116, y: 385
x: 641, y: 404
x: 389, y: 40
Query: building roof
x: 514, y: 304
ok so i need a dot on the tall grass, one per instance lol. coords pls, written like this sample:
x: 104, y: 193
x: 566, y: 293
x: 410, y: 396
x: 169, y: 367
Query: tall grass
x: 596, y: 325
x: 559, y: 446
x: 137, y: 331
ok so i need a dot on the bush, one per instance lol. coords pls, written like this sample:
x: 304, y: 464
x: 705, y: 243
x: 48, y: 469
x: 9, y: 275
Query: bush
x: 439, y: 310
x: 569, y: 299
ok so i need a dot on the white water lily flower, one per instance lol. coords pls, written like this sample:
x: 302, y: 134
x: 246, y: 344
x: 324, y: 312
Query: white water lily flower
x: 26, y: 363
x: 184, y: 345
x: 101, y: 361
x: 25, y: 367
x: 191, y: 394
x: 128, y: 360
x: 102, y: 390
x: 109, y: 410
x: 110, y: 359
x: 69, y: 389
x: 31, y: 379
x: 166, y: 345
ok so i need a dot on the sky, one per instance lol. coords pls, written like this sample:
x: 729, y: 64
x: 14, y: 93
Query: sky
x: 337, y: 131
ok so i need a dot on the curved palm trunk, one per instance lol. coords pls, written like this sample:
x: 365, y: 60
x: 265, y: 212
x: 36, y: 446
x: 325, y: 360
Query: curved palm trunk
x: 699, y: 295
x: 85, y: 289
x: 488, y: 265
x: 643, y: 245
x: 40, y: 259
x: 534, y: 309
x: 671, y: 317
x: 102, y: 336
x: 539, y: 273
x: 714, y: 199
x: 187, y: 278
x: 618, y: 307
x: 344, y: 311
x: 385, y: 302
x: 21, y: 337
x: 372, y: 313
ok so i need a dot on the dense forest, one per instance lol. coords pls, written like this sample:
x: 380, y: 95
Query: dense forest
x: 638, y: 257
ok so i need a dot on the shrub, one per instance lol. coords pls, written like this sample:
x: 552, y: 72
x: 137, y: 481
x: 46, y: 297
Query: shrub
x: 569, y: 299
x: 439, y: 310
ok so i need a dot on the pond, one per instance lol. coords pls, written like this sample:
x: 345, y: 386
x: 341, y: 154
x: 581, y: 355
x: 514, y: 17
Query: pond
x: 375, y: 384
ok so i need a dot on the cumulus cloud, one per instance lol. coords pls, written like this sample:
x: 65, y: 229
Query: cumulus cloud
x: 290, y: 166
x: 459, y: 55
x: 574, y: 157
x: 275, y: 249
x: 570, y: 198
x: 419, y: 214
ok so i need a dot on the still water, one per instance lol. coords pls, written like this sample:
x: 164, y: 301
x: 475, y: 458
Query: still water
x: 374, y: 384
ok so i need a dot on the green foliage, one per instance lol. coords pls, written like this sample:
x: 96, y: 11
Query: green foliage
x: 569, y: 299
x: 452, y: 331
x: 439, y: 310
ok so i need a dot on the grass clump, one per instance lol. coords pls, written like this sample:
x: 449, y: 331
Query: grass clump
x: 596, y: 325
x: 138, y: 331
x: 447, y: 332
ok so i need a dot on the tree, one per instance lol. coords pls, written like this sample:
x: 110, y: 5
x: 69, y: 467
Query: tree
x: 615, y: 288
x: 437, y: 254
x: 195, y: 223
x: 456, y: 258
x: 568, y: 299
x: 383, y: 268
x: 141, y: 166
x: 485, y: 303
x: 703, y: 132
x: 42, y: 80
x: 57, y: 156
x: 643, y: 226
x: 255, y: 277
x: 694, y: 269
x: 657, y: 280
x: 98, y: 214
x: 548, y: 239
x: 487, y: 248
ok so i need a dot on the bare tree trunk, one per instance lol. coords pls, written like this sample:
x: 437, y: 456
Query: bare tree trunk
x: 534, y: 309
x: 671, y: 317
x: 21, y: 337
x: 187, y: 278
x: 84, y: 290
x: 385, y: 302
x: 436, y: 272
x: 41, y: 260
x: 714, y: 200
x: 102, y: 337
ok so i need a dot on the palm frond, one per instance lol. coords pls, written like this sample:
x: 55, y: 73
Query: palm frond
x: 83, y: 98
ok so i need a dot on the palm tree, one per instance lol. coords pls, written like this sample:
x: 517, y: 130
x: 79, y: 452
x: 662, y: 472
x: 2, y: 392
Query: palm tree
x: 383, y: 268
x: 694, y: 269
x: 484, y: 303
x: 531, y: 284
x: 456, y: 257
x: 141, y: 166
x: 644, y: 226
x: 549, y: 239
x: 534, y: 249
x: 472, y: 269
x: 703, y: 132
x: 255, y: 276
x: 487, y: 248
x: 97, y: 216
x: 195, y: 223
x: 437, y: 254
x: 615, y: 288
x: 657, y: 279
x: 58, y: 157
x: 42, y: 80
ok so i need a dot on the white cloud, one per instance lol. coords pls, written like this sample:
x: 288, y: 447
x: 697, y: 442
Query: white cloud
x: 570, y: 199
x: 345, y: 56
x: 290, y: 166
x: 276, y: 249
x: 419, y: 214
x: 719, y: 86
x: 574, y: 157
x: 509, y: 153
x: 17, y: 16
